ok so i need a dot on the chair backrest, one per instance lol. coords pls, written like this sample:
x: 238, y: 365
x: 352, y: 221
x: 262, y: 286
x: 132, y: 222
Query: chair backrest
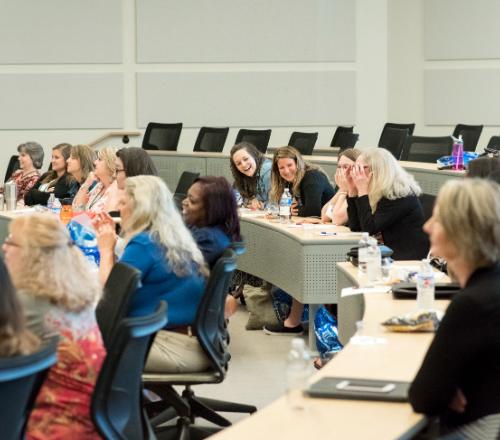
x: 427, y: 201
x: 211, y: 139
x: 162, y: 136
x: 347, y: 140
x: 410, y: 127
x: 339, y: 131
x: 493, y: 143
x: 122, y: 282
x: 426, y: 148
x: 304, y: 142
x: 20, y: 380
x: 12, y: 166
x: 259, y: 138
x: 116, y: 406
x: 470, y: 135
x: 394, y: 140
x: 185, y: 181
x: 210, y: 322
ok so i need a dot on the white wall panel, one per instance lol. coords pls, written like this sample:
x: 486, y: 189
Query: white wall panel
x: 61, y: 101
x: 239, y: 99
x: 461, y: 29
x: 60, y: 31
x: 245, y: 31
x: 470, y: 96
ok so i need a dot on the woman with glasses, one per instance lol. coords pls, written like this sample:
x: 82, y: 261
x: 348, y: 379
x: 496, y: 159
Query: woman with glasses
x: 133, y: 161
x: 383, y: 201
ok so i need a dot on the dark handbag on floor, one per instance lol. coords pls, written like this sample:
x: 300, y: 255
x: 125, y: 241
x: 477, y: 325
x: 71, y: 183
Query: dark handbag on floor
x: 352, y: 255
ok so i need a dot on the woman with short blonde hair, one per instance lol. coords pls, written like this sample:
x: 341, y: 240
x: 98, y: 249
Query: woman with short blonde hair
x: 459, y: 378
x: 383, y: 201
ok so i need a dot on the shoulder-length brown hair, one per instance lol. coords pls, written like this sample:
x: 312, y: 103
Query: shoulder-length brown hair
x: 246, y: 186
x: 65, y: 150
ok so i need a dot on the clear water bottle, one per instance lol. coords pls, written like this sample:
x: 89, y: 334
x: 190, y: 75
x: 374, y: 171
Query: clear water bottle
x: 373, y: 262
x: 286, y: 206
x: 425, y: 286
x: 362, y: 256
x: 56, y: 206
x: 297, y: 373
x: 50, y: 202
x: 457, y: 153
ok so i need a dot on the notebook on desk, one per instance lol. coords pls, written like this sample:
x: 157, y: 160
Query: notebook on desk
x: 360, y: 389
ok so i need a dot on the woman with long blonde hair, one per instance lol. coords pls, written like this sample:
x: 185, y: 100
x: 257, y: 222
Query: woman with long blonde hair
x: 172, y: 269
x: 59, y: 290
x: 383, y: 200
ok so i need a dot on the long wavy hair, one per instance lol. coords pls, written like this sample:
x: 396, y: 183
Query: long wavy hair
x: 86, y: 156
x: 389, y: 179
x: 246, y: 186
x: 15, y: 339
x: 278, y: 184
x: 53, y: 267
x: 154, y: 211
x: 65, y: 150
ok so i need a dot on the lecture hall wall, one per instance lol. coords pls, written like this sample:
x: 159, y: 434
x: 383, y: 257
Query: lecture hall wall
x: 71, y: 71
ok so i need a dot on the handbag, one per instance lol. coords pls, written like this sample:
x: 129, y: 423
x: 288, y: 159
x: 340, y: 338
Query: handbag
x: 352, y: 255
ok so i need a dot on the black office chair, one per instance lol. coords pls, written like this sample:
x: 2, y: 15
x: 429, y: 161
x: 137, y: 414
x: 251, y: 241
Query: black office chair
x: 259, y: 138
x: 185, y: 181
x: 470, y: 135
x: 427, y: 201
x: 347, y: 140
x: 426, y: 148
x: 339, y: 131
x: 410, y: 127
x: 12, y: 166
x: 394, y: 140
x: 116, y: 406
x: 122, y: 282
x: 493, y: 145
x: 211, y: 139
x: 210, y: 329
x: 162, y: 136
x: 304, y: 142
x: 20, y: 380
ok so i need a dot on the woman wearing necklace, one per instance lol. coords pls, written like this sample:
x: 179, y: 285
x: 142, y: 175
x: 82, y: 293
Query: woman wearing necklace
x: 30, y: 161
x: 99, y: 192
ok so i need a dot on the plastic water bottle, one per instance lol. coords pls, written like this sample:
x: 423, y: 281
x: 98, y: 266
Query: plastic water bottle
x: 362, y: 256
x: 425, y: 286
x: 50, y: 202
x: 56, y: 206
x: 457, y: 153
x: 297, y: 373
x: 286, y: 206
x: 373, y: 262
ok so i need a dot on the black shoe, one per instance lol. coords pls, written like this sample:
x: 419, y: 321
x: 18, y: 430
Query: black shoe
x: 281, y: 330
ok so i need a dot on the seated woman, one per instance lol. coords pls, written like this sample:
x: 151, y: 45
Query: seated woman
x: 99, y: 192
x: 383, y: 201
x: 459, y: 378
x: 171, y: 265
x: 57, y: 181
x: 252, y: 174
x: 80, y: 164
x: 30, y: 161
x: 483, y: 167
x: 15, y: 338
x: 59, y: 285
x: 308, y: 183
x: 210, y: 213
x: 133, y: 161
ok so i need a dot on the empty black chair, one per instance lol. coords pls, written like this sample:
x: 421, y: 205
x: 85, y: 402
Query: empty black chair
x: 304, y: 142
x: 162, y: 136
x: 493, y: 145
x: 394, y: 140
x: 210, y: 329
x: 470, y: 135
x: 347, y: 140
x: 12, y: 166
x: 409, y: 127
x: 122, y: 282
x: 338, y: 132
x: 426, y: 148
x: 116, y: 406
x: 185, y: 181
x: 20, y: 380
x: 211, y: 139
x: 259, y: 138
x: 427, y: 201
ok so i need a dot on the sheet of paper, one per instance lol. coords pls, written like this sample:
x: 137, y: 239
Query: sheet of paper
x: 349, y: 291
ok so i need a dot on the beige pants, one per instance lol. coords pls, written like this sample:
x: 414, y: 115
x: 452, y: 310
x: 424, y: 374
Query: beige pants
x: 174, y: 352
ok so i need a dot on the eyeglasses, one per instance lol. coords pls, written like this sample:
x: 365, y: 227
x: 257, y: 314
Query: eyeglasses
x: 8, y: 241
x: 120, y: 170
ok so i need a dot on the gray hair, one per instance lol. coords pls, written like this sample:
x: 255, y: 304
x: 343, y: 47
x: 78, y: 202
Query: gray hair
x: 33, y: 150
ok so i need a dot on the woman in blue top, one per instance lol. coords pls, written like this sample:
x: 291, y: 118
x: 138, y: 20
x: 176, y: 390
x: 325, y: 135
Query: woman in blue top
x: 172, y: 269
x: 252, y: 174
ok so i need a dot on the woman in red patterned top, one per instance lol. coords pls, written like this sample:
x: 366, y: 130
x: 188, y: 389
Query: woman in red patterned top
x: 30, y: 161
x: 55, y: 280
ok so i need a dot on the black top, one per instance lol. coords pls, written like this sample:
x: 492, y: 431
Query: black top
x: 63, y: 189
x: 399, y: 221
x: 464, y: 354
x: 315, y: 191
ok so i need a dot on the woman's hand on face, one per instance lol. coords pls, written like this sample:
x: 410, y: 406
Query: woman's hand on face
x: 361, y: 179
x: 459, y: 402
x: 341, y: 179
x: 255, y: 204
x: 106, y: 237
x: 347, y: 176
x: 90, y: 179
